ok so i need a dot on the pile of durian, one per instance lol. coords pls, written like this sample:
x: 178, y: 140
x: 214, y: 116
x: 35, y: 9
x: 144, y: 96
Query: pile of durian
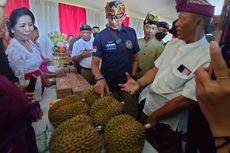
x: 76, y: 118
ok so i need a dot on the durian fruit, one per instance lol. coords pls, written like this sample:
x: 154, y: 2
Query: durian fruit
x: 65, y: 101
x: 68, y: 111
x: 104, y: 109
x: 82, y: 118
x: 123, y: 134
x: 75, y: 136
x: 89, y: 95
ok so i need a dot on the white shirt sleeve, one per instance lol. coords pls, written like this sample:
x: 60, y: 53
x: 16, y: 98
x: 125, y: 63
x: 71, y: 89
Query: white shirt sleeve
x: 17, y: 62
x: 189, y: 89
x: 76, y: 49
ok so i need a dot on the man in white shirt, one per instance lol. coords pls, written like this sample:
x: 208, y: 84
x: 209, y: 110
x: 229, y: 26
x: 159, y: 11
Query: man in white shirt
x: 82, y: 52
x: 171, y: 84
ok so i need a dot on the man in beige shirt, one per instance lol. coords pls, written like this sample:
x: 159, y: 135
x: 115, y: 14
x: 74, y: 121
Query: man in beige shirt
x: 150, y: 48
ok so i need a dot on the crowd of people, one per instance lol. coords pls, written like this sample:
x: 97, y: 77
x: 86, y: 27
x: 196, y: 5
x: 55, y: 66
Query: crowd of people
x: 159, y: 83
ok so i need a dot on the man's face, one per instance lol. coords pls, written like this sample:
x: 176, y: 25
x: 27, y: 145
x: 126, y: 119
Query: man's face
x: 95, y: 30
x: 115, y: 22
x: 150, y: 30
x: 86, y: 35
x: 163, y: 30
x: 186, y: 26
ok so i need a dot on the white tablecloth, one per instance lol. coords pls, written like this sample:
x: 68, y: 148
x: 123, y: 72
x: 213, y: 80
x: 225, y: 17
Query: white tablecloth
x: 43, y: 128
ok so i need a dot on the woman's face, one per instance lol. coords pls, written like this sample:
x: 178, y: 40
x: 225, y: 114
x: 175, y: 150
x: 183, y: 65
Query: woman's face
x: 23, y: 29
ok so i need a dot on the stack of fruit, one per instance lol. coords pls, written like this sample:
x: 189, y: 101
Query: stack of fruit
x: 59, y: 48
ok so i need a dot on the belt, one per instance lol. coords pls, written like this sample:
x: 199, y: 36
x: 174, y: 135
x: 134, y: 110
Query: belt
x: 35, y: 73
x: 88, y: 69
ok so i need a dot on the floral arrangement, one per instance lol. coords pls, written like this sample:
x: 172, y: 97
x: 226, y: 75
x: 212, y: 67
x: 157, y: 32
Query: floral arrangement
x: 59, y: 48
x: 57, y: 38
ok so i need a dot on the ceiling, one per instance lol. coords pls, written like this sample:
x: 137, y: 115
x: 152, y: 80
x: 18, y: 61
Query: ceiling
x: 164, y: 9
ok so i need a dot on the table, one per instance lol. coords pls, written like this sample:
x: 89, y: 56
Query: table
x: 43, y: 128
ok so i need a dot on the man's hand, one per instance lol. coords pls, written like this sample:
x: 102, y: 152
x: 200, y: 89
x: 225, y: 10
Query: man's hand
x: 131, y: 86
x: 30, y: 96
x: 213, y: 96
x: 86, y: 54
x: 101, y: 87
x: 152, y: 120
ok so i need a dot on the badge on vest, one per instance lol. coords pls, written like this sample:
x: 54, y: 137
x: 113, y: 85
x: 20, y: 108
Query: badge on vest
x: 111, y: 46
x: 183, y: 70
x: 129, y: 44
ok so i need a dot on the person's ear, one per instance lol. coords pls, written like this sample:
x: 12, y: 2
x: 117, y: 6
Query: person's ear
x: 198, y: 21
x: 124, y: 16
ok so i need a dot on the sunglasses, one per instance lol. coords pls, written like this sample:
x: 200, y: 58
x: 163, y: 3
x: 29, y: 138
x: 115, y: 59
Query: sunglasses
x: 116, y: 18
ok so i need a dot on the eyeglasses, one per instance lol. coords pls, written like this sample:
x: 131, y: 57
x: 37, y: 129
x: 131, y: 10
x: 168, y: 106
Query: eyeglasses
x: 116, y: 18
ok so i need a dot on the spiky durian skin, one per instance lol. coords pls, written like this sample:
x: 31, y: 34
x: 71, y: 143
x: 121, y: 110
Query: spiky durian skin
x: 89, y: 95
x: 65, y: 101
x: 67, y: 112
x: 123, y: 134
x: 75, y: 136
x: 82, y: 118
x: 104, y: 109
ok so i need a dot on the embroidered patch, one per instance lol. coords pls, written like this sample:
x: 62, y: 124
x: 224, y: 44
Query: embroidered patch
x: 129, y: 44
x: 111, y: 46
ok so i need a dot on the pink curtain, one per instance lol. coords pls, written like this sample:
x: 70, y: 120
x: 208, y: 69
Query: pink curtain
x: 70, y: 18
x: 14, y: 4
x: 126, y: 21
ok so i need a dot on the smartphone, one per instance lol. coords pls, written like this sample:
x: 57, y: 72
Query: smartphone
x: 32, y: 83
x: 225, y: 38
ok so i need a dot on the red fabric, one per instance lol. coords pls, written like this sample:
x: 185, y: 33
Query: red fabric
x: 70, y: 18
x: 126, y: 21
x: 36, y: 73
x: 14, y: 4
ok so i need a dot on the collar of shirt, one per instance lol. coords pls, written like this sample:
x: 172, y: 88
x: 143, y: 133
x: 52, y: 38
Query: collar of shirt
x: 123, y: 28
x: 202, y: 41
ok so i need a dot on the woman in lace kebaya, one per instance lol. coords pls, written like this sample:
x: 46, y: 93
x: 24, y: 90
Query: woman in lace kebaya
x: 23, y: 55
